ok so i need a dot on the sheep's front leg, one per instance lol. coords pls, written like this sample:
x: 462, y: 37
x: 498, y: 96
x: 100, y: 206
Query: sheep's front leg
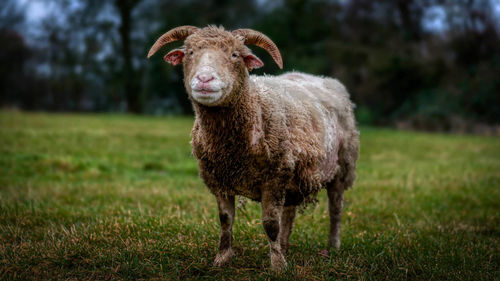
x: 226, y: 217
x: 271, y: 215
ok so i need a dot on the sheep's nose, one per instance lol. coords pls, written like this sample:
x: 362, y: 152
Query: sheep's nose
x: 205, y: 78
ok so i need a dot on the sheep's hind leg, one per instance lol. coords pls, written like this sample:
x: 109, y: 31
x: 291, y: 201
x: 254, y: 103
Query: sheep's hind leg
x: 272, y: 208
x: 335, y: 192
x: 226, y: 217
x: 287, y: 219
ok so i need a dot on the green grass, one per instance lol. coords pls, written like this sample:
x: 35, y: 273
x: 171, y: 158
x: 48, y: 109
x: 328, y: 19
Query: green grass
x: 118, y: 197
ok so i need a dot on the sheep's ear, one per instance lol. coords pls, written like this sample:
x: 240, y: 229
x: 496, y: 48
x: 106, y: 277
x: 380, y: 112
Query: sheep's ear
x: 174, y: 57
x: 252, y: 62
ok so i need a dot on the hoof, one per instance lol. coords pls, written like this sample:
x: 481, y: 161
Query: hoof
x: 223, y: 259
x: 278, y: 262
x: 334, y: 243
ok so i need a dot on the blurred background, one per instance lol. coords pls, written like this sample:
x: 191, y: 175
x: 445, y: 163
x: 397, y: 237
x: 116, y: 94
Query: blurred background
x: 429, y: 65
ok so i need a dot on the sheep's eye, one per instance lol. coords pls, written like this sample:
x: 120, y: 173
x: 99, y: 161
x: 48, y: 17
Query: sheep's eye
x: 191, y: 53
x: 235, y: 55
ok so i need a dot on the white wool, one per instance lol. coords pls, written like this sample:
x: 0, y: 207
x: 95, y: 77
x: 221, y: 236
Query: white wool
x: 305, y: 95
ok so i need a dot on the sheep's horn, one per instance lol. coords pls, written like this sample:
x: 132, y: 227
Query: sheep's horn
x: 253, y: 37
x: 175, y: 34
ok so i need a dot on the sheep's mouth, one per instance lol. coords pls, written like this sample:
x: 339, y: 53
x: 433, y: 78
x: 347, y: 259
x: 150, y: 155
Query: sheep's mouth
x: 206, y: 91
x: 209, y: 97
x: 209, y: 94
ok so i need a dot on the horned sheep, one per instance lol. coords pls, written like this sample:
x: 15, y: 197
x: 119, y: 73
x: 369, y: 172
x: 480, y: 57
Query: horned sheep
x: 274, y: 139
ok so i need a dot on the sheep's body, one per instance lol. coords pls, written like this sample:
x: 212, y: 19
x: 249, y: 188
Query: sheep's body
x: 320, y: 120
x: 277, y: 140
x: 296, y: 128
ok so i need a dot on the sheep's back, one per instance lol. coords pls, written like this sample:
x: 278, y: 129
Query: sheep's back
x: 317, y: 115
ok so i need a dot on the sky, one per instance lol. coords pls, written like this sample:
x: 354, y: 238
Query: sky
x: 434, y: 21
x: 36, y: 10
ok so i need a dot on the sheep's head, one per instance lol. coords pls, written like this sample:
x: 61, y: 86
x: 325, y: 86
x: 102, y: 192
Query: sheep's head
x: 216, y: 62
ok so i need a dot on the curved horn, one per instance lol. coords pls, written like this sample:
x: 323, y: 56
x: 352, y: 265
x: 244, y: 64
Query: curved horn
x: 175, y: 34
x: 253, y: 37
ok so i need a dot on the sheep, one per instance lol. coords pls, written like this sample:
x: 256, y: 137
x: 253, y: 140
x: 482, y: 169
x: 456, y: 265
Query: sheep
x: 276, y: 140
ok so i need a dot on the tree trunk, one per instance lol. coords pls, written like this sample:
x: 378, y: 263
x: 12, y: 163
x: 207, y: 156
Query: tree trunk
x: 132, y: 93
x: 410, y: 21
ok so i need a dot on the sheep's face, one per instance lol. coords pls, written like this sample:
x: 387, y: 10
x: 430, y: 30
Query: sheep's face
x: 216, y: 66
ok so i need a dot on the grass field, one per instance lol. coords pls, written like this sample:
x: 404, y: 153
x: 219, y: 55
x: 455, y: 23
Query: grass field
x: 118, y: 197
